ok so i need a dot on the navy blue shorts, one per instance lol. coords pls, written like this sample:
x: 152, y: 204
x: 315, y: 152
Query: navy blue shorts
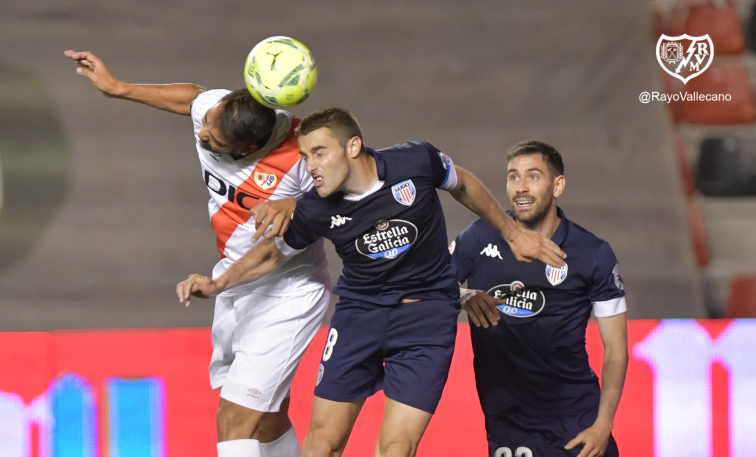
x: 513, y: 434
x: 406, y: 350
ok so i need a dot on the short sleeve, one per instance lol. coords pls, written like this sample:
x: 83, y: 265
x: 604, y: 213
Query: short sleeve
x: 442, y: 168
x: 300, y: 233
x: 464, y: 250
x: 607, y: 293
x: 203, y: 103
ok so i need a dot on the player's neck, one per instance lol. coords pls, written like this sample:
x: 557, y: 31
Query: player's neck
x: 363, y: 175
x: 547, y: 225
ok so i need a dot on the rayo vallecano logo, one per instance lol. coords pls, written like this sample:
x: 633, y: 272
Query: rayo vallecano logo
x: 520, y: 301
x: 684, y: 56
x: 265, y: 180
x: 387, y: 239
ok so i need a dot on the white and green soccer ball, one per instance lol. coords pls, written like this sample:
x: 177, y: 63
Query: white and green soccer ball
x: 280, y: 71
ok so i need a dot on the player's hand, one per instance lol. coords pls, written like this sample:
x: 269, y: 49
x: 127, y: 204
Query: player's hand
x: 93, y: 69
x: 198, y: 286
x: 527, y: 245
x: 594, y: 440
x: 481, y: 308
x: 275, y: 214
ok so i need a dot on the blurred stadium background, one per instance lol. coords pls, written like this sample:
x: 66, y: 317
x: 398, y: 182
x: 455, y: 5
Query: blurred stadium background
x: 103, y: 209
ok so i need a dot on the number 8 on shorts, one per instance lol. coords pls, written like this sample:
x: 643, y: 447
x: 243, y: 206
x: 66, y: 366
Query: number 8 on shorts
x: 333, y: 335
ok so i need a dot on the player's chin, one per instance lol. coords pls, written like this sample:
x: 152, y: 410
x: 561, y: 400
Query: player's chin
x: 323, y: 191
x: 522, y: 215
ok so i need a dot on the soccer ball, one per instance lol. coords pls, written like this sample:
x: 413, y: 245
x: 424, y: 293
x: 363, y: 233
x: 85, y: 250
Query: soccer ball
x: 280, y: 71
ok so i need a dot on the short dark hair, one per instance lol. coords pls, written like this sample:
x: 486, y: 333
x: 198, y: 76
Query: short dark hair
x: 550, y: 155
x: 339, y: 120
x: 243, y: 121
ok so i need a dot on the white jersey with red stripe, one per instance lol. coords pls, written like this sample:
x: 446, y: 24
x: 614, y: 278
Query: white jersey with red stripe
x: 274, y: 172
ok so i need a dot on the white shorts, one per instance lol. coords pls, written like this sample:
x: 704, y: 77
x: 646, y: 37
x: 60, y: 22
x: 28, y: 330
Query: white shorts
x: 258, y: 342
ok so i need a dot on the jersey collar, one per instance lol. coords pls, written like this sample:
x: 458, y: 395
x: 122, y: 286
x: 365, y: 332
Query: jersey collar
x: 561, y: 232
x: 380, y: 164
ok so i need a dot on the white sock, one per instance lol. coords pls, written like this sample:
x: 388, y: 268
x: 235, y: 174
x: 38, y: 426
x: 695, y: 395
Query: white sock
x: 239, y: 448
x: 285, y: 446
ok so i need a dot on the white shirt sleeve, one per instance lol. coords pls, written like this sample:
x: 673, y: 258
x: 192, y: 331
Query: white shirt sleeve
x: 285, y: 249
x: 610, y: 308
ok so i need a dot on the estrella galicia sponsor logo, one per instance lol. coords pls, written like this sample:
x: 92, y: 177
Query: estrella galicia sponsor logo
x: 404, y: 192
x: 520, y: 300
x: 387, y: 239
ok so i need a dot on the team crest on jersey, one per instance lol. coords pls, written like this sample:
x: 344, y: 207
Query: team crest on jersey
x: 452, y: 246
x: 387, y: 239
x: 265, y: 180
x: 617, y: 278
x: 520, y: 300
x: 556, y: 275
x: 404, y: 192
x: 321, y: 370
x: 445, y: 160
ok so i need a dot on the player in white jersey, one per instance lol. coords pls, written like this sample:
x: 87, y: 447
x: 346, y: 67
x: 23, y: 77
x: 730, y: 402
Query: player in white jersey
x: 249, y: 155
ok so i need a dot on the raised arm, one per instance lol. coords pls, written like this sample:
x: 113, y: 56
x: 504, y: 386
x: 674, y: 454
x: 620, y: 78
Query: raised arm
x: 174, y: 98
x: 259, y: 261
x: 526, y: 245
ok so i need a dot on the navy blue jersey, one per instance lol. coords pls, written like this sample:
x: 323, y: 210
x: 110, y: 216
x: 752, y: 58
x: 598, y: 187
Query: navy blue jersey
x: 392, y: 239
x: 535, y: 359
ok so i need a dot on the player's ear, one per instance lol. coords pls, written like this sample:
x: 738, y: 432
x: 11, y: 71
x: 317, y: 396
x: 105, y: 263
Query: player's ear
x: 354, y: 146
x: 249, y: 150
x: 559, y: 183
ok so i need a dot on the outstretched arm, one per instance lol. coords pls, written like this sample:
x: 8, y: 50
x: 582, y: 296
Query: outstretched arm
x: 259, y: 261
x: 526, y: 245
x: 174, y: 98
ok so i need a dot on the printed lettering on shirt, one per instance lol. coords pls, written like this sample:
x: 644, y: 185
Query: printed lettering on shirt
x: 519, y: 299
x: 387, y: 239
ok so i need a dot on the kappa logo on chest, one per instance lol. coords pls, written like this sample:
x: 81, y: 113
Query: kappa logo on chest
x: 265, y: 181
